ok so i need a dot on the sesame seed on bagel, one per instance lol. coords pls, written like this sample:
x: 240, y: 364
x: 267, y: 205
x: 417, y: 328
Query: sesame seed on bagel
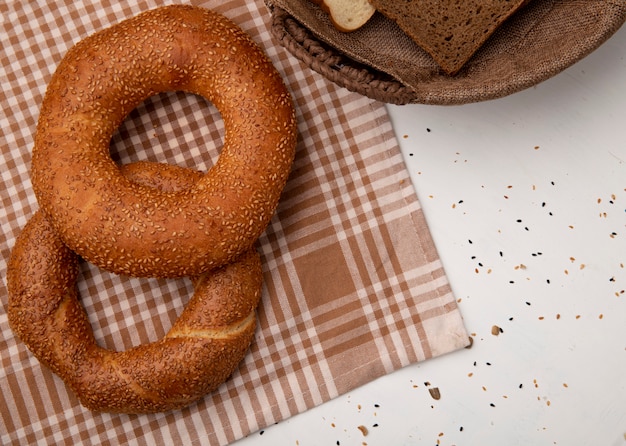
x: 133, y: 229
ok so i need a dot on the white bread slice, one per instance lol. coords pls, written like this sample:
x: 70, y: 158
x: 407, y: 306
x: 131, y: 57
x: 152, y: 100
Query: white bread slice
x: 347, y: 15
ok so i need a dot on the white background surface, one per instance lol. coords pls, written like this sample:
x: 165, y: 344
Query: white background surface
x: 525, y: 197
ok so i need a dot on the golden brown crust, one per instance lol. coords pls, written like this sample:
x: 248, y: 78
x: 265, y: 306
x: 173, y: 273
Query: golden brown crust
x: 199, y: 352
x: 132, y: 229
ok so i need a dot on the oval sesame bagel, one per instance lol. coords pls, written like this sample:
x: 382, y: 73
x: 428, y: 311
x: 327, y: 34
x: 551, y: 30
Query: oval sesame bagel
x: 132, y: 229
x: 199, y: 352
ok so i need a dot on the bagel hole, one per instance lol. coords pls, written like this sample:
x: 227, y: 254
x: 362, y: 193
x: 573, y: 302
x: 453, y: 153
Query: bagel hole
x: 171, y: 127
x: 125, y: 312
x: 175, y: 128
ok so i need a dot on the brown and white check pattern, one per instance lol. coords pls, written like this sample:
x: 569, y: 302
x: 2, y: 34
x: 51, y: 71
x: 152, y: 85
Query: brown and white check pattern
x: 354, y: 288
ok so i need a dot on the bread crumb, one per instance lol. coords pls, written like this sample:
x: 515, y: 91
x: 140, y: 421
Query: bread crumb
x: 434, y: 392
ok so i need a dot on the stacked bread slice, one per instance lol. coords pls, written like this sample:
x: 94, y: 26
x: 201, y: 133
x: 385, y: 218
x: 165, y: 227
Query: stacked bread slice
x: 347, y: 15
x: 451, y: 31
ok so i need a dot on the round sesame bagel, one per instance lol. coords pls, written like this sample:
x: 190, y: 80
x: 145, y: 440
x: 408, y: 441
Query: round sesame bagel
x: 132, y: 229
x: 199, y: 352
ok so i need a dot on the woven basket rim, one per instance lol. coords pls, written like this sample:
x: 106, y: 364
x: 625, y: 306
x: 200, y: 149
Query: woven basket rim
x: 334, y: 65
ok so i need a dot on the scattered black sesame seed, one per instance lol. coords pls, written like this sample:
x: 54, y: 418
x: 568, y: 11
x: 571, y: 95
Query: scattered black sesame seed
x: 376, y: 405
x: 488, y: 363
x: 470, y: 242
x: 528, y: 303
x: 492, y: 405
x: 461, y: 429
x: 427, y: 129
x: 375, y: 425
x: 261, y: 432
x: 501, y: 254
x: 410, y: 154
x: 511, y: 281
x: 548, y: 281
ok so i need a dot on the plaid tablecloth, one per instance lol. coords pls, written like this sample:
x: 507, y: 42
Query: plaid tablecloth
x: 354, y: 288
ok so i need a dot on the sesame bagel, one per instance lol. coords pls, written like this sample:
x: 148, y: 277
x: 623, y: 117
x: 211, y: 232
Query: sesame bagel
x: 199, y: 352
x: 132, y: 229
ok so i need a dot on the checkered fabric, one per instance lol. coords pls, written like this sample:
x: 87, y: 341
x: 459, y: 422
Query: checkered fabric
x: 354, y: 288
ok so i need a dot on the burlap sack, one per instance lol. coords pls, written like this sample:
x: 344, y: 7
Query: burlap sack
x: 383, y: 63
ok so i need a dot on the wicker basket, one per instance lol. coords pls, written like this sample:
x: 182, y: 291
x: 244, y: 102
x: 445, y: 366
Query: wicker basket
x: 381, y: 62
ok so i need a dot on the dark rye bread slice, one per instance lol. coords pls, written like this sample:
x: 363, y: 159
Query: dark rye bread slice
x: 451, y: 31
